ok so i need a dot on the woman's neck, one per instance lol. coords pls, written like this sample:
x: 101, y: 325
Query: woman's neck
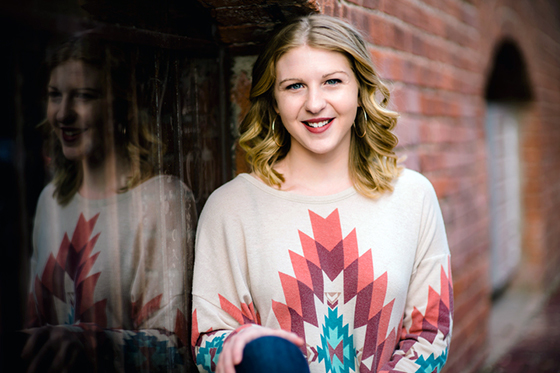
x: 312, y: 174
x: 104, y: 178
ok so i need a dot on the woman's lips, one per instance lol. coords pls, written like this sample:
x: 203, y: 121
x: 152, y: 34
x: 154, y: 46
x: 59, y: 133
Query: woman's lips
x: 318, y: 125
x: 71, y: 134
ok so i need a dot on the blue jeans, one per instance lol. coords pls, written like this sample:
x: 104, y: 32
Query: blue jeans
x: 272, y: 355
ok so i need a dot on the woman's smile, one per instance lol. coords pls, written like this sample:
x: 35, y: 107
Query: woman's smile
x: 71, y: 134
x: 318, y: 125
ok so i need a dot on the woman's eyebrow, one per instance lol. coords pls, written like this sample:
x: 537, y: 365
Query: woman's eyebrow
x: 96, y: 90
x: 335, y: 72
x: 93, y: 90
x: 324, y: 76
x: 287, y: 80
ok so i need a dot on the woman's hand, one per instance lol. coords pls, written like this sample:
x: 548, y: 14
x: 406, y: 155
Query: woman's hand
x: 232, y: 351
x: 53, y: 349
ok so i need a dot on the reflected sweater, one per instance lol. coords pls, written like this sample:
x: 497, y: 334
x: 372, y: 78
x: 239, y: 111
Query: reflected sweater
x: 118, y: 269
x: 365, y: 282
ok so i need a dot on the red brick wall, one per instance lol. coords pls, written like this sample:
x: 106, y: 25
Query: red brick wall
x: 429, y: 53
x: 437, y: 55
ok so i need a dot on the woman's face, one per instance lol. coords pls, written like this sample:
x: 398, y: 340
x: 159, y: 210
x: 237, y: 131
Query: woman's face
x: 77, y: 109
x: 316, y: 95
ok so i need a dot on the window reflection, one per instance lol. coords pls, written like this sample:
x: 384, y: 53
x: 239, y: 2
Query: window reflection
x: 159, y: 102
x: 112, y: 238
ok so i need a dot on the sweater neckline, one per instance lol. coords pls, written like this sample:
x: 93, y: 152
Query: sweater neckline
x: 117, y: 198
x: 103, y: 202
x: 291, y: 196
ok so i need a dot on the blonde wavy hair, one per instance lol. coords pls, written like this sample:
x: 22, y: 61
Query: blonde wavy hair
x: 373, y: 162
x: 131, y: 121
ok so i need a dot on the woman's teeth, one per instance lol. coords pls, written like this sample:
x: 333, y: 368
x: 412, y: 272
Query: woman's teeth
x: 73, y: 131
x: 318, y: 124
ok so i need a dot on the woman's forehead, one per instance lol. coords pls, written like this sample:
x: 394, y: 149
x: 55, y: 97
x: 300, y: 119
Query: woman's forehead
x: 76, y: 72
x: 306, y: 59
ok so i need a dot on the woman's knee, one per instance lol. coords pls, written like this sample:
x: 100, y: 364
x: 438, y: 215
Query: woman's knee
x: 272, y: 354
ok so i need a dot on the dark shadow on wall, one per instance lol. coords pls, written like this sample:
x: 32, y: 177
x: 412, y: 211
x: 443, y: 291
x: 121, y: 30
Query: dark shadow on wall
x: 508, y: 80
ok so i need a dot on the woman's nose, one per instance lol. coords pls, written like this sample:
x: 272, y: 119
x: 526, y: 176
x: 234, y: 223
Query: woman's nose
x: 315, y: 100
x: 66, y: 113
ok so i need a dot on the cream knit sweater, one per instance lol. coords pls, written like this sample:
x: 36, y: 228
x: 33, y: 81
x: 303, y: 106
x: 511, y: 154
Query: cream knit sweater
x: 365, y: 282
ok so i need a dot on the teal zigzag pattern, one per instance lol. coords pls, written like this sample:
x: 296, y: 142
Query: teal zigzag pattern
x: 206, y: 357
x: 336, y: 345
x: 432, y: 364
x: 144, y: 350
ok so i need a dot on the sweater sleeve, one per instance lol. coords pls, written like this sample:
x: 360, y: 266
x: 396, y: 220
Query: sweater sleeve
x: 160, y: 296
x: 222, y: 303
x: 427, y: 321
x: 157, y: 338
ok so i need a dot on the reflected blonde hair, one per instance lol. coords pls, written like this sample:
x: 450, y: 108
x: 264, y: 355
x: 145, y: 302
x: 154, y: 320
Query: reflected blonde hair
x: 130, y: 121
x: 373, y: 162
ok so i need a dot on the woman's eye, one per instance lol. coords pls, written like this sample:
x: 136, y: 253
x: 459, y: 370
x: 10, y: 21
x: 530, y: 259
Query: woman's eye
x: 53, y: 94
x: 294, y: 86
x: 85, y: 96
x: 333, y: 81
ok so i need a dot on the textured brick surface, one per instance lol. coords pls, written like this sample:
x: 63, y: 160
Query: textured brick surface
x: 538, y: 349
x: 437, y: 56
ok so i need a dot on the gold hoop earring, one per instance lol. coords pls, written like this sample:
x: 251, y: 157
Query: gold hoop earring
x: 365, y: 127
x: 274, y: 137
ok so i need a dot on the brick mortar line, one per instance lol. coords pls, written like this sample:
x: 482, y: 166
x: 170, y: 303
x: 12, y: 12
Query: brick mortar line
x: 445, y: 15
x: 425, y: 89
x: 474, y: 55
x: 546, y: 38
x: 432, y: 90
x: 443, y: 119
x: 537, y: 19
x: 504, y: 10
x: 423, y: 59
x: 400, y: 22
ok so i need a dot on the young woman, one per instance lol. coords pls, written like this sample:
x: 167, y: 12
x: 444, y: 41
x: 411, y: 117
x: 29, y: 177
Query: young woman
x: 112, y: 242
x: 327, y: 244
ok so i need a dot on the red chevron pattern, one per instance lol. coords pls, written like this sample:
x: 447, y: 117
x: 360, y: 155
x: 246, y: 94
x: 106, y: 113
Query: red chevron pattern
x: 329, y: 254
x: 74, y: 259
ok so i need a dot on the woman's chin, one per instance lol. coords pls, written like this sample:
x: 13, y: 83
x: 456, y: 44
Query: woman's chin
x: 73, y: 155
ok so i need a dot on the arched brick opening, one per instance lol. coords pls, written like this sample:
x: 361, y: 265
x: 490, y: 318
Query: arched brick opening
x: 507, y: 95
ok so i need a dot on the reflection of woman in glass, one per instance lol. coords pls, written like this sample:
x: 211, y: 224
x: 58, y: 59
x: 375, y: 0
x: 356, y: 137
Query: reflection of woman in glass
x: 112, y: 242
x: 327, y: 245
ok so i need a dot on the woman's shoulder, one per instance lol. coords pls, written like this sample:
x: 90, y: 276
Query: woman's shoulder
x: 47, y: 195
x: 163, y: 185
x: 410, y: 181
x: 233, y: 194
x: 48, y: 191
x: 412, y: 188
x: 236, y: 186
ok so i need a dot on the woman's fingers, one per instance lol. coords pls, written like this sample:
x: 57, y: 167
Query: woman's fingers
x: 51, y: 348
x: 41, y: 361
x: 232, y: 352
x: 66, y: 355
x: 292, y: 337
x: 225, y: 363
x: 243, y: 337
x: 37, y: 338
